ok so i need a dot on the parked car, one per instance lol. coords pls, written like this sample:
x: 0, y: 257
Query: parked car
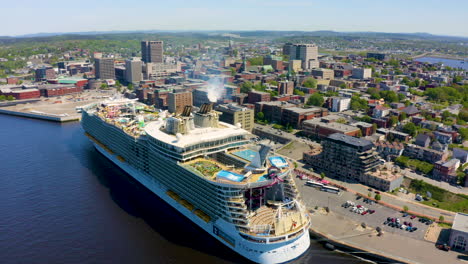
x: 371, y: 211
x: 444, y: 247
x: 405, y: 214
x: 412, y: 217
x: 364, y: 213
x: 410, y: 224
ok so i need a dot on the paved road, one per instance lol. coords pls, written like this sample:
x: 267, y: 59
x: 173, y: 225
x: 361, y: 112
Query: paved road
x: 393, y: 200
x: 313, y: 197
x: 443, y: 185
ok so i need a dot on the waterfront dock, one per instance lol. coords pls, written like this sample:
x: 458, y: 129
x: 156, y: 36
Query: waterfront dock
x: 43, y: 116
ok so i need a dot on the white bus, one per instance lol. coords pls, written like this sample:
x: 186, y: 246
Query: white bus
x: 314, y: 184
x: 330, y: 189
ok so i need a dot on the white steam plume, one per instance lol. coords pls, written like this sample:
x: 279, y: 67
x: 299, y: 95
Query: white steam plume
x: 215, y: 89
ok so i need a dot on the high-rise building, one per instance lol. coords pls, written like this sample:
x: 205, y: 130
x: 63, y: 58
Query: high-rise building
x: 362, y: 73
x: 339, y: 104
x: 352, y: 159
x: 152, y: 51
x: 307, y: 53
x: 133, y: 70
x: 105, y: 68
x: 45, y: 73
x: 234, y: 114
x: 285, y: 87
x: 176, y: 101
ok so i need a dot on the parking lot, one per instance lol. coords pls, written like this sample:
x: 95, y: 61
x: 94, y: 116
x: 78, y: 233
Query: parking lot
x: 314, y: 197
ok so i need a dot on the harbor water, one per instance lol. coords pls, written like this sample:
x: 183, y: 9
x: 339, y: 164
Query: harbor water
x: 447, y: 62
x: 63, y: 202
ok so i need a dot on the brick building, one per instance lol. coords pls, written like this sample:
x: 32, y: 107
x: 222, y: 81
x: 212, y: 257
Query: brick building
x: 285, y: 87
x: 176, y: 101
x: 20, y: 94
x: 319, y: 129
x: 294, y: 116
x: 257, y: 96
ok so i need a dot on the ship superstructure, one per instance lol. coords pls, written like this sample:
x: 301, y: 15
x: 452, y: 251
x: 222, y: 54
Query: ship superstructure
x: 239, y: 192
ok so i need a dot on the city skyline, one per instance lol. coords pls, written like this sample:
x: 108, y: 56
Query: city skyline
x: 435, y: 17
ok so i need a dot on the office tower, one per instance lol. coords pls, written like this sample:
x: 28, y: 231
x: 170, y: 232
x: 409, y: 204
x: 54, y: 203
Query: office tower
x: 133, y: 70
x: 152, y: 51
x: 105, y: 68
x: 307, y: 53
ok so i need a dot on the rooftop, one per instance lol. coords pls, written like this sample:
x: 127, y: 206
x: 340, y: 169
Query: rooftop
x: 460, y: 223
x: 357, y: 142
x: 195, y: 136
x: 335, y: 126
x: 302, y: 110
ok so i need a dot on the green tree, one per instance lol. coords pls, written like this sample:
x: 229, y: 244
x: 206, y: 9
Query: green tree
x: 322, y: 175
x: 10, y: 98
x: 369, y: 194
x: 256, y: 61
x: 260, y: 116
x: 463, y: 114
x: 341, y: 120
x: 358, y: 103
x: 378, y: 197
x: 233, y: 71
x: 374, y: 128
x: 130, y: 86
x: 316, y: 99
x: 407, y: 103
x: 463, y: 132
x: 310, y: 83
x: 411, y: 129
x: 343, y: 86
x: 2, y: 97
x: 441, y: 218
x: 299, y: 92
x: 457, y: 79
x: 393, y: 121
x: 403, y: 116
x: 118, y: 84
x: 359, y: 134
x: 405, y: 208
x: 246, y: 87
x: 389, y: 96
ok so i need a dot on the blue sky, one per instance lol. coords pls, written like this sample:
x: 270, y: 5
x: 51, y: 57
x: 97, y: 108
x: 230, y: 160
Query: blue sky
x: 448, y: 17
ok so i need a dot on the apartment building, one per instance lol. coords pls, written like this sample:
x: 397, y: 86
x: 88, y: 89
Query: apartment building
x: 235, y: 114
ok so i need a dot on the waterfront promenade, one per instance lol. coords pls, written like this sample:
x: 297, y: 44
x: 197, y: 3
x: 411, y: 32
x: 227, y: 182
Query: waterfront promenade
x: 401, y: 248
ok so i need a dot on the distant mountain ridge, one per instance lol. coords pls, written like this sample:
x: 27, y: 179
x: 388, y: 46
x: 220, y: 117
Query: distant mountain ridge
x: 247, y: 33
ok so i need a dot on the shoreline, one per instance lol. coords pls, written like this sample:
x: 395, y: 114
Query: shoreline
x: 439, y: 56
x: 60, y: 119
x: 354, y: 250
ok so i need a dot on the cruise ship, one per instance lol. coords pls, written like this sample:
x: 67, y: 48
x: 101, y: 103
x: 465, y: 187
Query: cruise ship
x: 238, y: 191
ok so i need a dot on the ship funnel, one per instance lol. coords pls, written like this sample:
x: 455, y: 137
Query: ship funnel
x: 206, y: 117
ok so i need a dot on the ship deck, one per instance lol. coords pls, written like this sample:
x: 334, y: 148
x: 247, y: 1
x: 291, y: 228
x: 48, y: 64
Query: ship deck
x: 215, y: 170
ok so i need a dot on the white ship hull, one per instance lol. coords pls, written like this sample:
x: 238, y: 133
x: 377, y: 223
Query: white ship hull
x: 223, y: 231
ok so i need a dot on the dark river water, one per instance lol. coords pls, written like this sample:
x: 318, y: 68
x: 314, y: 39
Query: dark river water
x: 63, y: 202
